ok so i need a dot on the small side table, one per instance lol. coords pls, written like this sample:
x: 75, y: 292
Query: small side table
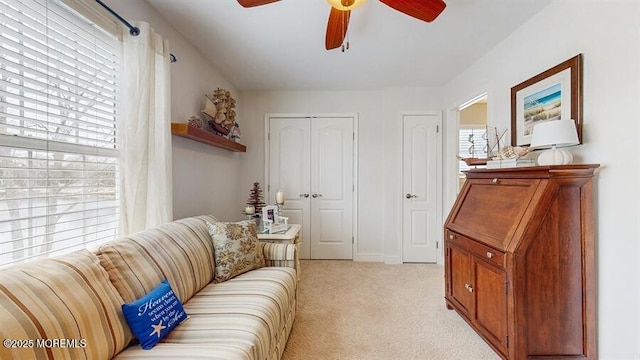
x: 291, y: 236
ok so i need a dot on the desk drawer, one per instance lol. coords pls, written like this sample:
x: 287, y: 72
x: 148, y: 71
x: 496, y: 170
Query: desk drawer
x: 480, y: 250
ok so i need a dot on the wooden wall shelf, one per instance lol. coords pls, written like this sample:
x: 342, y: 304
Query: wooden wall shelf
x: 205, y: 137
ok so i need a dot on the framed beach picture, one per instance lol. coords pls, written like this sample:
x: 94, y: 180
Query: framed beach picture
x: 551, y: 95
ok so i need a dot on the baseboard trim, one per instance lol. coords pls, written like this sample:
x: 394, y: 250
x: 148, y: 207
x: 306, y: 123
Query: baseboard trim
x: 392, y: 260
x: 368, y: 258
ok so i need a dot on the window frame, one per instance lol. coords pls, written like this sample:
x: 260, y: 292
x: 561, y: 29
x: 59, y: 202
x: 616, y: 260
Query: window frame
x: 85, y: 153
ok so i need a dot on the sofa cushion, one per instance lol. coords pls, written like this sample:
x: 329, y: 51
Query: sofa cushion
x: 68, y: 297
x: 180, y: 252
x: 154, y: 315
x: 250, y: 309
x: 164, y: 351
x: 235, y: 249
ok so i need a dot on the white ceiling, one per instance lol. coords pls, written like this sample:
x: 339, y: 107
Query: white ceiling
x: 280, y: 46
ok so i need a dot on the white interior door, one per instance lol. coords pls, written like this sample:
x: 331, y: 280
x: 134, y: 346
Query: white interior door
x: 332, y: 188
x: 290, y: 171
x: 311, y: 161
x: 421, y: 174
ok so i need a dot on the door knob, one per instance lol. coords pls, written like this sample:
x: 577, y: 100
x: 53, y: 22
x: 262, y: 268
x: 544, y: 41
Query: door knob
x: 410, y: 196
x: 316, y: 195
x: 304, y: 195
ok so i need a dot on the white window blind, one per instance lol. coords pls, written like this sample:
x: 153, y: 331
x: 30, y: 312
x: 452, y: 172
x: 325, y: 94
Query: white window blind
x: 59, y: 186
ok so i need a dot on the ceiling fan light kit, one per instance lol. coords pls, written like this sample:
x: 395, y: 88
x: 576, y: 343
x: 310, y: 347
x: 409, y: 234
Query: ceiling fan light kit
x: 344, y: 5
x: 338, y: 23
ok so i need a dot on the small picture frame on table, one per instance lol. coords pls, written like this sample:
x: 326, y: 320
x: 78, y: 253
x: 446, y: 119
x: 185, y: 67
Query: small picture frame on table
x: 272, y: 221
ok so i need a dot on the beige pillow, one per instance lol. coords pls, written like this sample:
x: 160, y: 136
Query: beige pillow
x: 235, y: 249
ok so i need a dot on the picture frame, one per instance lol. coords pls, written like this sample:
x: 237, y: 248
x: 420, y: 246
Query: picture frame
x: 551, y: 95
x: 269, y: 213
x: 272, y: 221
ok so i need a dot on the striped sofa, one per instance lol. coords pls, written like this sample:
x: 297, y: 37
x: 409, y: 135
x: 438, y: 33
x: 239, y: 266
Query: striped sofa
x: 69, y: 307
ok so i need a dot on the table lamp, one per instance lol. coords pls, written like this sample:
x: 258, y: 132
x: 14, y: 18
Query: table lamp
x: 551, y: 135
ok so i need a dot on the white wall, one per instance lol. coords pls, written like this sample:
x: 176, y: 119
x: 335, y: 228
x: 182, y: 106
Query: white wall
x: 475, y: 115
x: 204, y: 177
x: 379, y: 192
x: 608, y: 34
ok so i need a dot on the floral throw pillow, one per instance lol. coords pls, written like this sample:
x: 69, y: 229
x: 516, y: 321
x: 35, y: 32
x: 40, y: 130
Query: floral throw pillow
x: 235, y: 249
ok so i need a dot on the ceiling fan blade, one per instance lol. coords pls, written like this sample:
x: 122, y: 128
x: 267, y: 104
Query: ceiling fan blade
x: 426, y: 10
x: 336, y: 28
x: 252, y: 3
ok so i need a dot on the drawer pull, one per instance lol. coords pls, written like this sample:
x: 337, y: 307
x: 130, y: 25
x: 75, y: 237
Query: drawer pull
x: 495, y: 180
x: 469, y: 287
x: 451, y: 236
x: 489, y: 254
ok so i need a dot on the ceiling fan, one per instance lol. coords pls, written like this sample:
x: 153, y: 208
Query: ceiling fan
x: 426, y: 10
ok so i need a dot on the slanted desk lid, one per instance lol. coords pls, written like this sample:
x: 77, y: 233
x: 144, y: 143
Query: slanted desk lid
x: 490, y: 211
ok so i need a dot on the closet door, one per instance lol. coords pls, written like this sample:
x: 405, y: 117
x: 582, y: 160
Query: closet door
x: 332, y: 188
x: 290, y: 171
x: 311, y: 161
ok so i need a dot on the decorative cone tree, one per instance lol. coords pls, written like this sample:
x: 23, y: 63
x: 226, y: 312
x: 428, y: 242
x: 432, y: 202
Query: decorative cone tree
x: 255, y: 198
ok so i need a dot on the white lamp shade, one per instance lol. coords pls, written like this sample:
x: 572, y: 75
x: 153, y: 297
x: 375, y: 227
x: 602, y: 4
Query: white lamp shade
x: 557, y: 133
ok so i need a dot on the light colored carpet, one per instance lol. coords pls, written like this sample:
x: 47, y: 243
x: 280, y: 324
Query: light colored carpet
x: 353, y: 310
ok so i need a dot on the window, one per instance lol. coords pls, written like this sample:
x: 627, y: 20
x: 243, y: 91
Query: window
x: 472, y: 143
x: 59, y: 186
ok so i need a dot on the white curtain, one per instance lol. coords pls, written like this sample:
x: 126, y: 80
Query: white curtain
x: 145, y: 130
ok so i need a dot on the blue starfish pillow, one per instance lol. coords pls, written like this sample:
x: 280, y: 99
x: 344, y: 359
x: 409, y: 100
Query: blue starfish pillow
x: 154, y: 315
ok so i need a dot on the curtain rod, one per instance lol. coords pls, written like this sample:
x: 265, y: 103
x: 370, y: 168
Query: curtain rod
x: 133, y: 30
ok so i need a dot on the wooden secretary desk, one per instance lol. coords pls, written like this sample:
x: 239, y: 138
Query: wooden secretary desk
x: 520, y: 263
